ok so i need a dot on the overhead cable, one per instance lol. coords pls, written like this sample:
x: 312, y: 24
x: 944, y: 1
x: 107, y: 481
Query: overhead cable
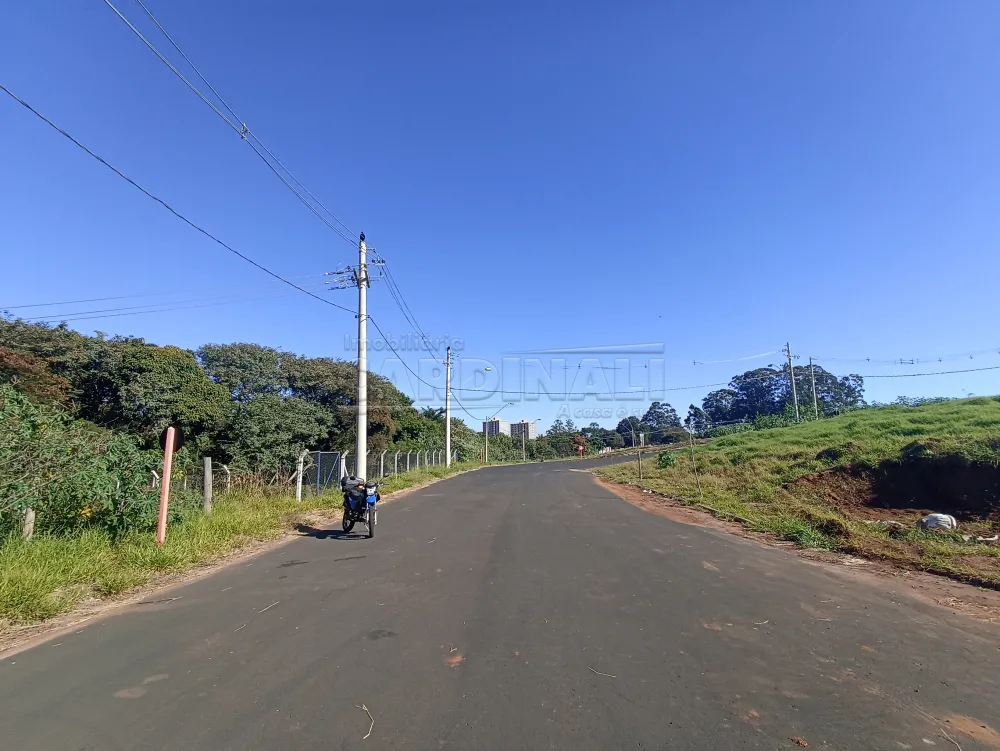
x: 242, y: 129
x: 119, y: 297
x: 165, y: 205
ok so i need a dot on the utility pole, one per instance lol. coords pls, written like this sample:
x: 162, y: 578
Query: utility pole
x: 638, y: 451
x: 524, y: 455
x: 812, y: 377
x: 447, y: 409
x: 791, y: 376
x: 361, y: 463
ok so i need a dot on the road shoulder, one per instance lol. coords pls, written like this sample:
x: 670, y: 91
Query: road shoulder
x: 15, y: 639
x: 981, y: 604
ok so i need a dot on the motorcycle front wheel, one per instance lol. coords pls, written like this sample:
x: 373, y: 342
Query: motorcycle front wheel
x: 370, y: 519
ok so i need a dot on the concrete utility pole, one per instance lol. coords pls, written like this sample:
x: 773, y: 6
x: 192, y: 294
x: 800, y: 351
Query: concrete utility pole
x: 524, y: 455
x: 812, y: 377
x: 361, y: 470
x: 206, y: 484
x: 447, y: 409
x: 791, y: 376
x: 638, y: 451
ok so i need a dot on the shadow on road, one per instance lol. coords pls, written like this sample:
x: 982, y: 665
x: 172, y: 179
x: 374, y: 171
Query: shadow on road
x: 306, y: 530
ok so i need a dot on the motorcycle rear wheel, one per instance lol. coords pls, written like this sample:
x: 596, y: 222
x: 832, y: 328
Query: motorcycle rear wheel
x: 347, y: 523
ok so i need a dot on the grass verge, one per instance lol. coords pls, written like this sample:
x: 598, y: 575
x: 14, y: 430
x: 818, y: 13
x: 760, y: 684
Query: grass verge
x: 823, y: 484
x: 50, y: 574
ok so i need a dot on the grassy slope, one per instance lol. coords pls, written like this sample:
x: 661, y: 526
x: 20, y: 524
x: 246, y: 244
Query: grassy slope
x: 50, y: 575
x: 748, y: 475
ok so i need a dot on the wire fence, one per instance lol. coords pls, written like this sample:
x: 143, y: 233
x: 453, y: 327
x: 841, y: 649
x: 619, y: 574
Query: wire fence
x: 321, y: 471
x: 324, y: 469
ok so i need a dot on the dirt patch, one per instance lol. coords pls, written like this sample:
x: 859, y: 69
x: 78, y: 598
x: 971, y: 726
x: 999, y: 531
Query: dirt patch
x: 982, y: 604
x: 973, y: 728
x: 671, y: 508
x: 982, y: 565
x: 907, y: 492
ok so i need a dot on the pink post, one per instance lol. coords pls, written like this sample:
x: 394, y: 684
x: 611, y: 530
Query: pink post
x: 168, y: 460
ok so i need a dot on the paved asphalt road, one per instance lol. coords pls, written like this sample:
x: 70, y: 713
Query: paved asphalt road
x: 482, y: 616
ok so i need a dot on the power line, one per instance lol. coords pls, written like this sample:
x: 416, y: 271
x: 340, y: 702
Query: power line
x: 397, y: 295
x: 176, y: 72
x: 69, y: 319
x: 165, y: 205
x: 117, y: 297
x: 915, y: 360
x: 186, y: 58
x: 221, y: 300
x: 777, y: 374
x: 940, y: 372
x: 385, y: 339
x: 242, y: 130
x: 736, y: 359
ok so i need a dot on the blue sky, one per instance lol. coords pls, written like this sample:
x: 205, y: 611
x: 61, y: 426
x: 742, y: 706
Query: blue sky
x: 718, y: 177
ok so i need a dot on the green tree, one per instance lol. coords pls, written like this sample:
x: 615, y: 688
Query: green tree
x: 142, y: 388
x: 630, y: 428
x: 504, y: 449
x: 333, y: 384
x: 434, y: 414
x: 833, y: 394
x: 598, y: 437
x: 246, y: 370
x: 697, y: 420
x: 660, y: 417
x: 720, y: 406
x: 269, y: 433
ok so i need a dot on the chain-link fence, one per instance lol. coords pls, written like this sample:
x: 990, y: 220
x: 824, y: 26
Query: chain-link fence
x: 388, y: 463
x: 321, y: 471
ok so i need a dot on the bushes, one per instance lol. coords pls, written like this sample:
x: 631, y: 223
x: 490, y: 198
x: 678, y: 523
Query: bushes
x: 72, y: 473
x: 672, y: 435
x: 665, y: 459
x: 724, y: 430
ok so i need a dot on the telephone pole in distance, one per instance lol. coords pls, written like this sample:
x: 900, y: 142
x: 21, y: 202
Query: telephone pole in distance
x: 791, y: 376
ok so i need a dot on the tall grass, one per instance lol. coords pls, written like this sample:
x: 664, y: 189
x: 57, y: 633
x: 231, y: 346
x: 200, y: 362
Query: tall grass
x: 749, y: 475
x: 51, y: 574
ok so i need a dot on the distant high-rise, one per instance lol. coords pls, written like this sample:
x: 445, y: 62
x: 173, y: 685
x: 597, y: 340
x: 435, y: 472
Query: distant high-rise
x: 528, y: 429
x: 496, y: 427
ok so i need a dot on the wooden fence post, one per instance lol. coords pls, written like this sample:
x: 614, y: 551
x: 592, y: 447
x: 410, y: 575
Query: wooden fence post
x: 206, y: 483
x: 28, y: 524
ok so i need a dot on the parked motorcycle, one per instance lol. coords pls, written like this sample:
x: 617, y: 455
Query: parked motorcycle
x: 360, y: 499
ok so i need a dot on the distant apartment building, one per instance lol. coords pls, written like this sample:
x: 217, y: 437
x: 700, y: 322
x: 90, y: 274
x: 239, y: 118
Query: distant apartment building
x: 528, y: 429
x: 496, y: 427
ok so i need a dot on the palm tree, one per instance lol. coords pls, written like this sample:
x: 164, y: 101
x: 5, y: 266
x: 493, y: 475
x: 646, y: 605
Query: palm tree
x: 436, y: 414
